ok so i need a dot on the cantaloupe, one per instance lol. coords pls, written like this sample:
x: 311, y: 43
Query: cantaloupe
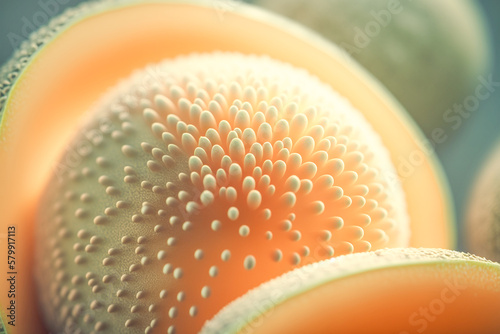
x: 217, y: 174
x: 389, y: 291
x: 64, y: 70
x: 430, y: 54
x: 482, y: 221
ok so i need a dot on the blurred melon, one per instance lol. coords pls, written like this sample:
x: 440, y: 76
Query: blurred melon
x: 428, y: 53
x: 482, y: 221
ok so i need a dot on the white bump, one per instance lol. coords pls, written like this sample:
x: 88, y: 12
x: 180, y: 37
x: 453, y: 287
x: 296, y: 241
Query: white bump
x: 249, y: 262
x: 213, y: 271
x: 198, y: 254
x: 244, y: 230
x: 205, y: 292
x: 233, y: 213
x: 226, y: 255
x: 178, y: 273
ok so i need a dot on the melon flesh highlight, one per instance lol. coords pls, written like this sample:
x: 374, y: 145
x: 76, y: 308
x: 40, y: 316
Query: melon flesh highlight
x: 38, y: 115
x: 216, y: 172
x: 388, y: 291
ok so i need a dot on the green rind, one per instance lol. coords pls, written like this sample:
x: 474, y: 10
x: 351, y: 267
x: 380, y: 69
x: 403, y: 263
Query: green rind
x: 241, y: 312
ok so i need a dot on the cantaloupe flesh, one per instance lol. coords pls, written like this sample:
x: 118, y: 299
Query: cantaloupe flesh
x: 74, y: 69
x: 375, y: 303
x: 432, y: 298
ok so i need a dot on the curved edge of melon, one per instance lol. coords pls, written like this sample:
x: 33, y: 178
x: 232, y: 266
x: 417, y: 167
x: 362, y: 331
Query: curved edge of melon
x: 237, y: 317
x: 481, y: 226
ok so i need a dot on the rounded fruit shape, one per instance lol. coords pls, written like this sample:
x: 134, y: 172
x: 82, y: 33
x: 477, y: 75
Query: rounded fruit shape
x: 57, y: 76
x: 482, y: 223
x: 387, y: 291
x: 428, y: 53
x: 218, y: 166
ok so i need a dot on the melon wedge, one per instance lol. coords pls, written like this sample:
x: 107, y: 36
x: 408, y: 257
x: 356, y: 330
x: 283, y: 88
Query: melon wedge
x: 52, y: 81
x: 388, y: 291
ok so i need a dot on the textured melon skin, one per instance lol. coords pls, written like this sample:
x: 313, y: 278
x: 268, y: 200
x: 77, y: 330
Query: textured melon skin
x: 217, y: 166
x: 429, y: 54
x: 386, y: 291
x: 50, y: 116
x: 482, y: 223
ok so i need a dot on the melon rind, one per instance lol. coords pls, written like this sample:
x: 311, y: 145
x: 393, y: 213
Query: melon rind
x: 236, y: 316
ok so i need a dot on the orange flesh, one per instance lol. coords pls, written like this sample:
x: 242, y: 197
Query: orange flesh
x: 309, y: 190
x: 433, y: 299
x: 73, y: 70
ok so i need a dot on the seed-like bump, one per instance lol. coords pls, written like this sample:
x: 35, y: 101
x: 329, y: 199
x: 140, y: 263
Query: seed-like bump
x: 172, y: 312
x: 226, y: 255
x: 244, y: 230
x: 95, y: 305
x: 134, y: 267
x: 112, y: 308
x: 249, y: 262
x: 198, y: 254
x: 168, y: 269
x: 205, y: 292
x: 181, y: 296
x: 129, y: 151
x: 81, y: 213
x: 79, y: 259
x: 178, y: 273
x: 193, y: 311
x: 233, y: 213
x: 129, y: 323
x: 171, y: 241
x: 161, y: 255
x: 216, y: 225
x: 213, y: 271
x: 277, y: 255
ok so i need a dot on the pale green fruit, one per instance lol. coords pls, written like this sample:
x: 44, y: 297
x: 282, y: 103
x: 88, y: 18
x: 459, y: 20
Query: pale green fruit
x: 482, y: 229
x: 428, y: 53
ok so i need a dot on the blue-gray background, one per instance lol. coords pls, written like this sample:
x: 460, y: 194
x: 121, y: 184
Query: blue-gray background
x: 460, y: 156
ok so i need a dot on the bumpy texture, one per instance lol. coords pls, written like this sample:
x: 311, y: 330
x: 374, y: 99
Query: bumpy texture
x: 199, y: 179
x: 428, y: 53
x: 255, y: 303
x: 482, y: 231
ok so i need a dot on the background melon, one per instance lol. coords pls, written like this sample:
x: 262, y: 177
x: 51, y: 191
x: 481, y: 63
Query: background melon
x: 40, y: 114
x: 387, y: 291
x: 482, y: 226
x: 429, y: 54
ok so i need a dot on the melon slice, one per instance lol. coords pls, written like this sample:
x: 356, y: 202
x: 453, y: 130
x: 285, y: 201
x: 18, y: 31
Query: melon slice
x: 217, y: 174
x: 65, y: 68
x: 389, y: 291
